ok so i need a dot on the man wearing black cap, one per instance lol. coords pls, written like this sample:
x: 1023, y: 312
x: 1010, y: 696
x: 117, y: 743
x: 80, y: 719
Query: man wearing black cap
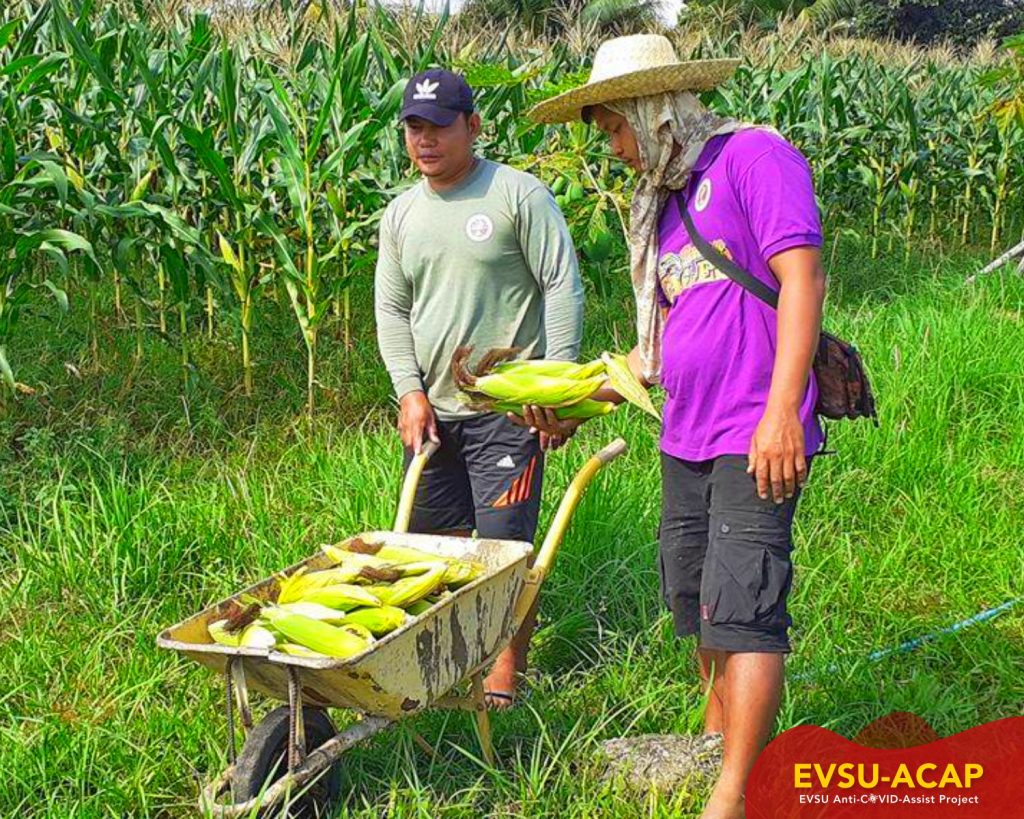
x: 477, y: 254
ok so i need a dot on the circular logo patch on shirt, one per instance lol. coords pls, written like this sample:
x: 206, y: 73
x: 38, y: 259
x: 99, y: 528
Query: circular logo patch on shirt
x: 703, y: 195
x: 479, y: 227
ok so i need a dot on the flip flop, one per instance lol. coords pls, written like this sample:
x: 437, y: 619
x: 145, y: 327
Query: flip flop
x: 501, y: 695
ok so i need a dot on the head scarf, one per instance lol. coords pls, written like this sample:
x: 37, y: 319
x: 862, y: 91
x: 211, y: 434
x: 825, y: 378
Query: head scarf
x: 660, y: 122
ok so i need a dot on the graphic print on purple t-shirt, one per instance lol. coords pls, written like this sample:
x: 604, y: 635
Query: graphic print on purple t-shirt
x: 718, y: 349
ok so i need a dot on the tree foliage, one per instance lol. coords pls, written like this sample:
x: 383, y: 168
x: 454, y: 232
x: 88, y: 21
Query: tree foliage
x: 963, y: 22
x: 551, y: 17
x: 926, y: 21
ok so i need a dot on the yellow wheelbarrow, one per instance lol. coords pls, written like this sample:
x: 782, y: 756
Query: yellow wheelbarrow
x: 414, y: 667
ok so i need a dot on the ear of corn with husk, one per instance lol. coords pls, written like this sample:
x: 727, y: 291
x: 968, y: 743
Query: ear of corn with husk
x: 342, y: 596
x: 360, y: 631
x: 554, y: 369
x: 255, y: 635
x: 298, y: 585
x: 220, y: 634
x: 404, y: 561
x: 296, y: 650
x: 543, y: 390
x: 552, y: 384
x: 427, y: 603
x: 359, y: 550
x: 498, y: 384
x: 380, y: 620
x: 456, y: 572
x: 317, y: 615
x: 420, y: 606
x: 332, y: 641
x: 457, y: 575
x: 258, y: 636
x: 582, y: 410
x: 354, y: 559
x: 316, y: 611
x: 410, y: 589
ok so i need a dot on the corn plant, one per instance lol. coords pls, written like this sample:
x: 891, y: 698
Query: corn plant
x: 22, y: 241
x: 234, y: 172
x: 323, y: 129
x: 1007, y: 112
x: 179, y: 166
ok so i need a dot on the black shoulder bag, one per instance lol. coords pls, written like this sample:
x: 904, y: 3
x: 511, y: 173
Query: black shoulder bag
x: 843, y: 388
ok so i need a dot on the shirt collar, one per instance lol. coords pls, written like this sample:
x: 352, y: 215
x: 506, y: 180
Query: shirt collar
x: 710, y: 153
x: 478, y: 166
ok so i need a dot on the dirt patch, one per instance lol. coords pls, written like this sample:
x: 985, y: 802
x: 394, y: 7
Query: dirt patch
x: 665, y: 762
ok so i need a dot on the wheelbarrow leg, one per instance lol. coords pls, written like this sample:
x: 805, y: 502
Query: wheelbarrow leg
x: 418, y: 738
x: 236, y: 693
x: 483, y: 719
x: 296, y: 723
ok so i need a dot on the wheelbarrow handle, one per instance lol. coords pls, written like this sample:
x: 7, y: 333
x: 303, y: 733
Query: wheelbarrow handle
x: 612, y: 451
x: 412, y: 480
x: 556, y: 532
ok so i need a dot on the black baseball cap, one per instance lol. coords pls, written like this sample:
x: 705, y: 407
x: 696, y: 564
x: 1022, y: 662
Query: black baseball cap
x: 438, y: 96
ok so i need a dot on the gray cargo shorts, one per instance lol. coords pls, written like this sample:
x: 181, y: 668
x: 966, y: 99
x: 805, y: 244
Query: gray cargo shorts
x: 724, y: 557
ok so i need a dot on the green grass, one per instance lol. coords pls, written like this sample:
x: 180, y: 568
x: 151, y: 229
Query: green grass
x: 125, y: 507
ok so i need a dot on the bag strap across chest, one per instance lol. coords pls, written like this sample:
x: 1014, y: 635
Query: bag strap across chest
x: 743, y: 278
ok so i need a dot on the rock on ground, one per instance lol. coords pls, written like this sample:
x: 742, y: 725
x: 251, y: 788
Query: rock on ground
x: 665, y: 762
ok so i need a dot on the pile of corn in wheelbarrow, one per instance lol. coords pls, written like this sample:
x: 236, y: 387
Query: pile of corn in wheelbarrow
x: 371, y: 590
x: 480, y: 591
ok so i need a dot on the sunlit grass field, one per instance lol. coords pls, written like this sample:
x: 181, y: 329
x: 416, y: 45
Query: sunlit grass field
x: 126, y: 505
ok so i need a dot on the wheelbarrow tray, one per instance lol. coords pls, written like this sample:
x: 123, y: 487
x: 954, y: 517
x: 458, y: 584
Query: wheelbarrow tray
x: 402, y: 672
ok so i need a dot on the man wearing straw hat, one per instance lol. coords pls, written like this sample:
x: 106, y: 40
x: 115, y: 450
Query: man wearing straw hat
x: 715, y: 195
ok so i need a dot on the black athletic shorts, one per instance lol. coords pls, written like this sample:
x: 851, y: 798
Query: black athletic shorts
x: 724, y: 559
x: 486, y: 476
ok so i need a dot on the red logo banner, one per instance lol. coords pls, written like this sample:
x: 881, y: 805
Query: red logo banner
x: 896, y: 768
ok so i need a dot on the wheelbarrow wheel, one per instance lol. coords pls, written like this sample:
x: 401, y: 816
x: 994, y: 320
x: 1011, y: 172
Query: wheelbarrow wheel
x: 264, y: 760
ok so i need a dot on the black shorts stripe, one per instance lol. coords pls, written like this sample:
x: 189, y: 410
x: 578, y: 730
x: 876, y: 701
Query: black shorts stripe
x: 487, y: 475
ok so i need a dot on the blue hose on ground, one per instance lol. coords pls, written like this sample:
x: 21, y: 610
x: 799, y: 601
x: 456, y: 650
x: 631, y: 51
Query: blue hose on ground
x: 917, y: 642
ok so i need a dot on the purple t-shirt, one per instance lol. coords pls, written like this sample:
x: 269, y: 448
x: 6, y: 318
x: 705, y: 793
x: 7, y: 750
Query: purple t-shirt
x: 751, y: 195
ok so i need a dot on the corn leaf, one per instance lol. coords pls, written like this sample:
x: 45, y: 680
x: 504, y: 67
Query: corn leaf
x: 58, y: 294
x: 288, y: 154
x: 282, y: 246
x: 5, y: 369
x: 228, y: 254
x: 227, y: 90
x: 51, y: 64
x: 73, y: 37
x: 27, y: 39
x: 202, y: 143
x: 59, y: 179
x: 324, y: 119
x: 7, y: 31
x: 330, y: 168
x: 17, y: 65
x: 622, y: 380
x: 55, y: 237
x: 179, y: 228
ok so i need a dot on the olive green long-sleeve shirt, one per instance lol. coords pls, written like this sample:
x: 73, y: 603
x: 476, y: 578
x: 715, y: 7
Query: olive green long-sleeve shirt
x: 489, y: 263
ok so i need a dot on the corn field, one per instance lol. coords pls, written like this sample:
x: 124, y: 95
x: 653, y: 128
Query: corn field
x: 168, y: 176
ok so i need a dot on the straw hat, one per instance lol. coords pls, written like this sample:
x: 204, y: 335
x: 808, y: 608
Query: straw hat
x: 634, y: 66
